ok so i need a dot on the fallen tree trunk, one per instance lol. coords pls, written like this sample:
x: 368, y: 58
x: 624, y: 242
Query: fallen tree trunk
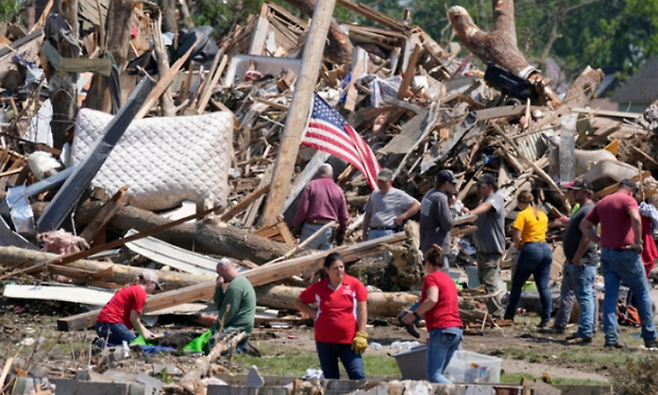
x: 259, y: 276
x: 120, y: 274
x: 380, y: 304
x: 499, y: 46
x: 206, y: 237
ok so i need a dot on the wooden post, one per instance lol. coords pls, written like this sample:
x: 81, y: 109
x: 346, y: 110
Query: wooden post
x: 298, y: 113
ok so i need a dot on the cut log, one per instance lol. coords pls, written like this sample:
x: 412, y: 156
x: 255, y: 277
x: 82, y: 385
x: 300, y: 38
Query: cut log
x: 206, y: 237
x: 380, y: 304
x: 121, y: 274
x: 499, y: 46
x: 258, y: 276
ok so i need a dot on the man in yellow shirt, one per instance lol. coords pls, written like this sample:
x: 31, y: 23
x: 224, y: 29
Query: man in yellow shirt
x: 535, y: 257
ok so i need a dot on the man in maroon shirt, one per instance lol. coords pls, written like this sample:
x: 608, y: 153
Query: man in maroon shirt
x: 621, y: 246
x: 322, y: 202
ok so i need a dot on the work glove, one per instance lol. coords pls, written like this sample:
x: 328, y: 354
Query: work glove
x: 340, y: 237
x: 297, y: 231
x: 360, y: 342
x: 410, y: 328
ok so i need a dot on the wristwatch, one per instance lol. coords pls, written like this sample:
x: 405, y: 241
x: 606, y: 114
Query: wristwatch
x: 415, y: 314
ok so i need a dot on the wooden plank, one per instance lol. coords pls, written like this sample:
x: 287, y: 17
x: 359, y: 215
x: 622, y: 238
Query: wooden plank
x: 259, y: 35
x: 613, y: 188
x: 65, y: 259
x: 162, y: 84
x: 359, y: 68
x: 285, y: 233
x: 409, y: 73
x: 5, y: 371
x: 300, y: 107
x: 244, y: 203
x: 259, y: 276
x: 105, y: 215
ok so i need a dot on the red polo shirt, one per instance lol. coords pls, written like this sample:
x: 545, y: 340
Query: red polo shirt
x: 445, y: 314
x: 117, y: 310
x: 336, y: 318
x: 612, y: 213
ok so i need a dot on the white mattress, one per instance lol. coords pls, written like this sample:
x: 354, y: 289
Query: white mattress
x: 163, y: 160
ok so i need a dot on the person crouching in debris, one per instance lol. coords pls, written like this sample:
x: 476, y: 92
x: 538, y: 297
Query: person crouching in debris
x: 121, y: 314
x: 340, y: 319
x: 535, y: 257
x: 440, y: 307
x: 236, y: 305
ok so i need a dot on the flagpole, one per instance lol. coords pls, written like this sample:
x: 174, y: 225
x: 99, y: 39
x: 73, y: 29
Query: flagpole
x: 298, y: 112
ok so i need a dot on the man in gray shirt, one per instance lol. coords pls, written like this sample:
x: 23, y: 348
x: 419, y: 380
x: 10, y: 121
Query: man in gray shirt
x: 387, y: 208
x: 489, y: 239
x: 435, y: 216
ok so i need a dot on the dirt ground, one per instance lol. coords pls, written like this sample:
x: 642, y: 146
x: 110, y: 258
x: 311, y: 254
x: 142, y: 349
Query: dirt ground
x: 523, y: 349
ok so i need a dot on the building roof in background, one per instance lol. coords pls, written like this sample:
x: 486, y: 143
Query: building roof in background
x: 642, y: 87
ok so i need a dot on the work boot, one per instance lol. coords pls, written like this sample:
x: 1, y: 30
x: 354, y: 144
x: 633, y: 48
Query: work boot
x: 411, y: 328
x: 543, y: 324
x: 617, y: 345
x: 651, y: 344
x: 558, y: 330
x: 578, y: 340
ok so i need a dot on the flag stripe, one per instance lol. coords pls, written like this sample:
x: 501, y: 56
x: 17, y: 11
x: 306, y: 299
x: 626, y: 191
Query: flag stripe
x: 328, y: 131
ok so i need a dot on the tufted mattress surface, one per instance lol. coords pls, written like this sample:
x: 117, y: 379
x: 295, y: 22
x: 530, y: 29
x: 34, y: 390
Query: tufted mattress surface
x: 163, y: 160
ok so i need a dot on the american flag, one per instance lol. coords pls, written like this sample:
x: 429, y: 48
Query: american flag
x: 328, y: 131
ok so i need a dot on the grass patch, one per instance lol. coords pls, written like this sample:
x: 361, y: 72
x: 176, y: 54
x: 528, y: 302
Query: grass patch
x: 293, y: 362
x: 515, y: 379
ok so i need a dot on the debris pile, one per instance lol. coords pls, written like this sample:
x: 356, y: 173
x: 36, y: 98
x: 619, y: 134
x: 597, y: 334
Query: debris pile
x: 198, y: 127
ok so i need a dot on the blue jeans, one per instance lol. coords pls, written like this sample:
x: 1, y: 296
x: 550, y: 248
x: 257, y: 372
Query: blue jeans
x: 570, y: 283
x: 441, y: 346
x: 377, y: 233
x: 535, y: 259
x: 118, y: 333
x: 322, y: 242
x: 625, y: 267
x: 329, y: 353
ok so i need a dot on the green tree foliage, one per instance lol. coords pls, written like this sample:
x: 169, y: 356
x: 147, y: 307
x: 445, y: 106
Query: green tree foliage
x: 8, y: 10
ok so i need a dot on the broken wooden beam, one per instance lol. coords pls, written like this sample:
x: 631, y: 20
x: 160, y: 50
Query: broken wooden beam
x: 259, y: 276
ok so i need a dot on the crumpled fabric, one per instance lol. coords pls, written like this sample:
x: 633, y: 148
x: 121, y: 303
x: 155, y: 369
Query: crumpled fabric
x: 650, y: 211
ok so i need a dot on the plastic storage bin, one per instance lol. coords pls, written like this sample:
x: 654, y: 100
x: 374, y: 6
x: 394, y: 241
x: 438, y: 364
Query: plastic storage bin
x: 411, y: 363
x: 471, y: 367
x: 473, y: 280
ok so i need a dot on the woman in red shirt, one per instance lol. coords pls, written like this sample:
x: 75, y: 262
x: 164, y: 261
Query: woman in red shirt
x: 121, y: 314
x: 439, y: 304
x: 340, y: 319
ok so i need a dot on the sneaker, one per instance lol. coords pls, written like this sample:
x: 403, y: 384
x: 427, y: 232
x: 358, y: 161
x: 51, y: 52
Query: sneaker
x: 651, y: 344
x: 617, y: 345
x: 553, y: 329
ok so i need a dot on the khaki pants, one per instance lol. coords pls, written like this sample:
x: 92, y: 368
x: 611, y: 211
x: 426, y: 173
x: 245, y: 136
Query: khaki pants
x: 488, y: 274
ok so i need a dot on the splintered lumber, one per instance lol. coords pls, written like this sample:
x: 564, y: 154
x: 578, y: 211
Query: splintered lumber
x: 206, y: 237
x: 258, y: 276
x: 302, y: 100
x: 380, y: 304
x: 109, y: 210
x: 192, y: 379
x: 120, y: 274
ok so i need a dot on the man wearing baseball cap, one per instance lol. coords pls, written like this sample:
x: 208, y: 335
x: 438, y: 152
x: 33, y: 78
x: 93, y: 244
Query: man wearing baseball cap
x: 621, y: 246
x: 121, y: 314
x: 387, y: 208
x: 489, y: 239
x: 435, y: 217
x: 579, y: 271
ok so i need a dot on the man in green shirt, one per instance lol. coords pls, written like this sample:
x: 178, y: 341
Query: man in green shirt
x: 236, y: 303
